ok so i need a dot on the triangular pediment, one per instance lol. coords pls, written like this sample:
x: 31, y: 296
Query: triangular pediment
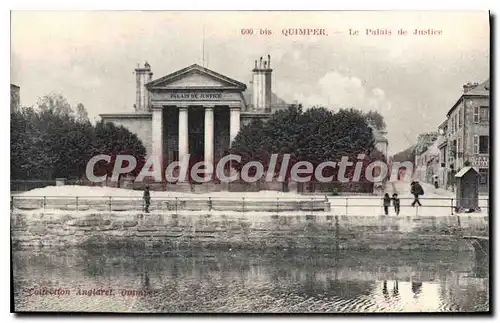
x: 195, y: 76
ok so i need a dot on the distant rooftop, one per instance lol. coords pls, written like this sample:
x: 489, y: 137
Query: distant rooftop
x: 472, y: 89
x: 479, y: 89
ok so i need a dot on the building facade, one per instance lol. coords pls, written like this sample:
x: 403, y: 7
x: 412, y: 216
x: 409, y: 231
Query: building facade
x: 381, y: 142
x: 15, y: 97
x: 442, y: 144
x: 427, y: 164
x: 196, y: 111
x: 199, y: 112
x: 467, y: 130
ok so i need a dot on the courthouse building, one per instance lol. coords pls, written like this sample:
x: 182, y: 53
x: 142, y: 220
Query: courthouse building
x: 195, y: 110
x: 199, y: 112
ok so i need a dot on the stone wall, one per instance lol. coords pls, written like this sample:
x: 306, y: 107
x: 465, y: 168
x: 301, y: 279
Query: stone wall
x: 235, y: 230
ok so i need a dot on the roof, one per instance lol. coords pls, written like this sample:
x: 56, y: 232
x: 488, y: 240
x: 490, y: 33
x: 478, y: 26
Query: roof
x: 443, y: 124
x: 126, y: 115
x: 465, y: 170
x: 276, y: 101
x: 482, y: 89
x: 200, y: 69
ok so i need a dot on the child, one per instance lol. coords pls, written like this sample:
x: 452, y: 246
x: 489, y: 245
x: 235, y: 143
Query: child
x: 395, y: 202
x: 387, y: 203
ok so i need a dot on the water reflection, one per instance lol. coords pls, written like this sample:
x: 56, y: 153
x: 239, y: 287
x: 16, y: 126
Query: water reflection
x: 245, y: 282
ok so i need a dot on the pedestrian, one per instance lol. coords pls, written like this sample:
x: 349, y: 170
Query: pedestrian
x: 387, y: 203
x: 396, y: 203
x: 436, y: 182
x: 416, y: 191
x: 147, y: 199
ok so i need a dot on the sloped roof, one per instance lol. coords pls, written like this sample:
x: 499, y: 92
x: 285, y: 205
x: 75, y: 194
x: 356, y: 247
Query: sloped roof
x: 465, y: 170
x: 276, y: 102
x: 443, y: 124
x: 195, y: 68
x: 482, y: 89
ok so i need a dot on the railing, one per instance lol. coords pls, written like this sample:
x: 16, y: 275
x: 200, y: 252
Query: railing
x: 338, y: 205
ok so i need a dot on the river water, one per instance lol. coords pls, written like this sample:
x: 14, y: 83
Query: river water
x: 227, y: 281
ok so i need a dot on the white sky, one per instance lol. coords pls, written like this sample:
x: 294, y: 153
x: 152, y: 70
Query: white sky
x: 412, y: 81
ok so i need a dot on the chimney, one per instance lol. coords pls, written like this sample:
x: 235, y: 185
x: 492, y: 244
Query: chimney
x: 143, y: 76
x: 268, y: 85
x: 261, y: 84
x: 255, y: 87
x: 469, y: 86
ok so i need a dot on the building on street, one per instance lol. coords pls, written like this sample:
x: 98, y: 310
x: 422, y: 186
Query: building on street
x: 467, y: 129
x: 442, y: 144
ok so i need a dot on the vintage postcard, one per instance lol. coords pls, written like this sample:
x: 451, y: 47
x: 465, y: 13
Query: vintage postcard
x: 250, y: 161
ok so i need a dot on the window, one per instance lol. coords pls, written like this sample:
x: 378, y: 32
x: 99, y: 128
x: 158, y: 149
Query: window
x: 475, y: 145
x: 475, y: 118
x: 484, y: 143
x: 483, y: 176
x: 484, y: 114
x: 459, y: 145
x: 460, y: 119
x: 453, y: 148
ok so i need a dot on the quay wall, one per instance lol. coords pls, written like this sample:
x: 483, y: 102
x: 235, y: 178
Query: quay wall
x: 247, y: 231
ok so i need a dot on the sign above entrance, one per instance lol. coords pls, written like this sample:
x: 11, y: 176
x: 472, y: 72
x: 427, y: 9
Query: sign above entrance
x: 480, y: 161
x: 195, y: 96
x: 200, y: 95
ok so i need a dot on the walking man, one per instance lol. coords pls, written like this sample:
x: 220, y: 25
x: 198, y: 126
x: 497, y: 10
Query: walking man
x: 387, y: 203
x: 147, y: 199
x: 416, y: 191
x: 396, y: 203
x: 435, y: 179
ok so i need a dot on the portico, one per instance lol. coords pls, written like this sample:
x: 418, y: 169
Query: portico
x: 201, y: 129
x: 195, y: 112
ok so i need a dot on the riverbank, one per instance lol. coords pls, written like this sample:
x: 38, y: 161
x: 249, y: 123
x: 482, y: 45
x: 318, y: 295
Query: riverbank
x: 243, y: 231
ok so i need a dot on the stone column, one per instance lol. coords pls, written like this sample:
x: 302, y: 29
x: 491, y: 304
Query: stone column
x: 234, y: 123
x: 209, y: 135
x: 183, y: 132
x: 157, y: 134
